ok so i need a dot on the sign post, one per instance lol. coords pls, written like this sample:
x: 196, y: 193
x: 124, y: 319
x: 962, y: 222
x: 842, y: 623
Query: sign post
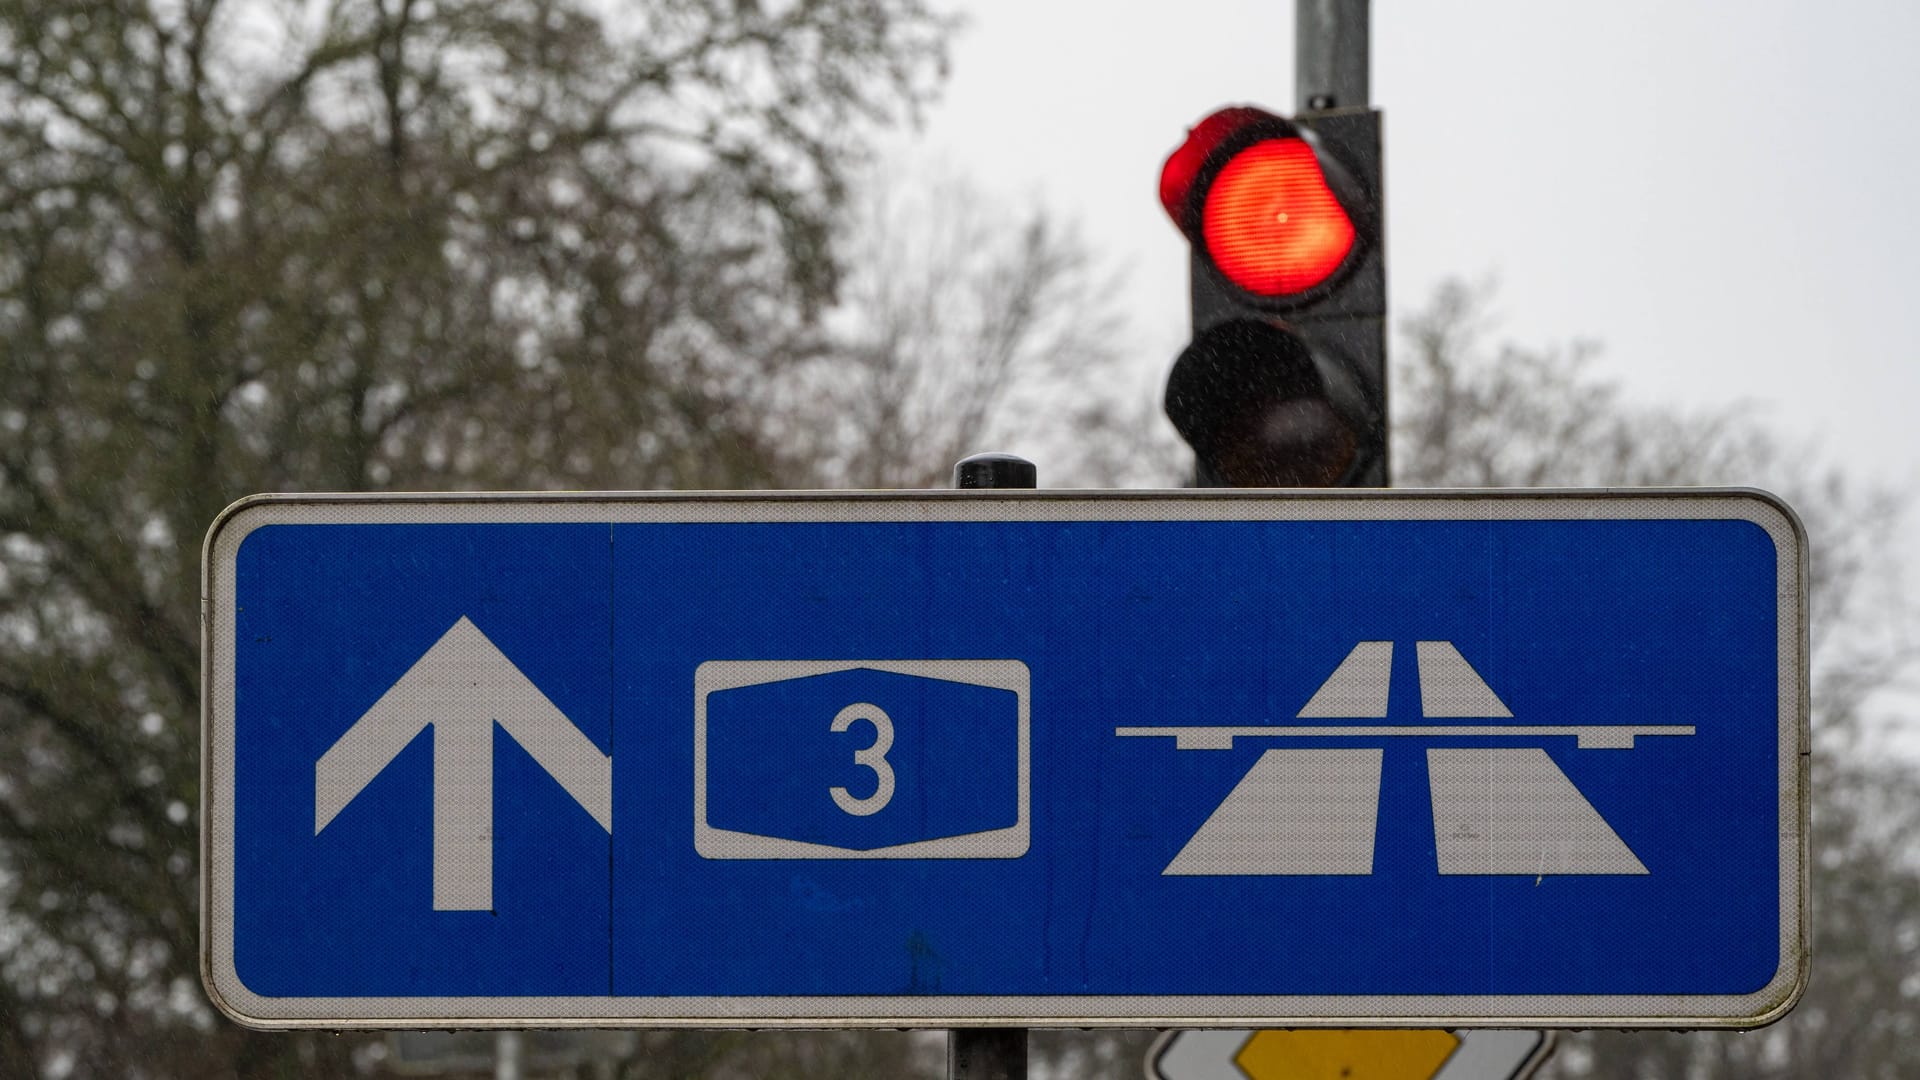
x: 990, y: 1053
x: 1006, y: 759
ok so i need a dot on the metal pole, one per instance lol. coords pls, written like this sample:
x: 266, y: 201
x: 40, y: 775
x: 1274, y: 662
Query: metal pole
x: 990, y: 1053
x: 507, y: 1047
x: 1329, y: 54
x: 987, y: 1054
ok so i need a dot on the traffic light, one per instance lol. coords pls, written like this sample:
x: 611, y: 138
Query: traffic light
x: 1284, y: 383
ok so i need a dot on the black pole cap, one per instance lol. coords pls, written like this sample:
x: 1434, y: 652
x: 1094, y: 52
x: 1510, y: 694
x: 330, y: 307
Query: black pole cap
x: 994, y: 470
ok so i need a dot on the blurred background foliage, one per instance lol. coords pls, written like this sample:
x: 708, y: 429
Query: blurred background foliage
x: 284, y: 245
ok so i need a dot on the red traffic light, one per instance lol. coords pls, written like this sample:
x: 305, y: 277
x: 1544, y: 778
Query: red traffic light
x: 1254, y: 196
x: 1271, y: 224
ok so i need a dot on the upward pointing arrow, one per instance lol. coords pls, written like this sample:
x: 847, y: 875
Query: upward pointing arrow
x: 462, y: 685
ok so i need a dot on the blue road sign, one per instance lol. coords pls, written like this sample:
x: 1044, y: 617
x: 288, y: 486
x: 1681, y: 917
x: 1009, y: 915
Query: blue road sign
x: 1164, y: 758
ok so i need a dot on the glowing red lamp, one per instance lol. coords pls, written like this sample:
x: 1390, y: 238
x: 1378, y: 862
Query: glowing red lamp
x: 1252, y: 194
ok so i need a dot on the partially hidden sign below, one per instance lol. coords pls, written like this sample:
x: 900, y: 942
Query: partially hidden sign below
x: 1245, y: 759
x: 1334, y: 1054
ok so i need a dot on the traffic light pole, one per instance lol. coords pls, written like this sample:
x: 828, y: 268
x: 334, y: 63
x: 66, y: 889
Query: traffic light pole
x: 987, y: 1054
x: 1329, y: 54
x: 990, y: 1053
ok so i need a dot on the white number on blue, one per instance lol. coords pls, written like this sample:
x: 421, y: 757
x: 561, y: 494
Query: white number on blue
x: 873, y: 757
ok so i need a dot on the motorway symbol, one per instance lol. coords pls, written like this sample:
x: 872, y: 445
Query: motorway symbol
x: 462, y: 686
x: 1495, y: 810
x: 1335, y: 1054
x: 1064, y: 759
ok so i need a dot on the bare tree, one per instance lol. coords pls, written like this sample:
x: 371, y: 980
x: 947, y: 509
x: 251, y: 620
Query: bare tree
x: 257, y: 245
x: 251, y: 245
x: 963, y: 326
x: 1470, y: 415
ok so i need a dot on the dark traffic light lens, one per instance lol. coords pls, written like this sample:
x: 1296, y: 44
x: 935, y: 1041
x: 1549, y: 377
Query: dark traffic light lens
x: 1250, y: 400
x: 1299, y: 443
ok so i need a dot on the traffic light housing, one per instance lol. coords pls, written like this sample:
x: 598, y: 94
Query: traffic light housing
x: 1284, y: 383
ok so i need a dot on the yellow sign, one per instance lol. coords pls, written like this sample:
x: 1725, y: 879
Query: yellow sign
x: 1346, y: 1055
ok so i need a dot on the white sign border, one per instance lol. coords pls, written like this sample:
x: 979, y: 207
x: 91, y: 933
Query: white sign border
x: 225, y: 988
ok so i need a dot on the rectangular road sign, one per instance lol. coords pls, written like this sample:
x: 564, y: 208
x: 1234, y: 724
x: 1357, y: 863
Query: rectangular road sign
x: 1247, y: 759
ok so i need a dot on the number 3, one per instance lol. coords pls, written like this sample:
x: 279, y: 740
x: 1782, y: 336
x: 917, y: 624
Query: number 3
x: 873, y: 757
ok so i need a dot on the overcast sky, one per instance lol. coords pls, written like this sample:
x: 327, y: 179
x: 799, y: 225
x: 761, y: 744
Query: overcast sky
x: 1723, y: 194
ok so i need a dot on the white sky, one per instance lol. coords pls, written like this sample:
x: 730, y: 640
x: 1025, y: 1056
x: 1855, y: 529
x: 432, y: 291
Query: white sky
x: 1723, y: 194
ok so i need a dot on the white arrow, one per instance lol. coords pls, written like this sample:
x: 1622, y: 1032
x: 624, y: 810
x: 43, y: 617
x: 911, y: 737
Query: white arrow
x: 462, y: 685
